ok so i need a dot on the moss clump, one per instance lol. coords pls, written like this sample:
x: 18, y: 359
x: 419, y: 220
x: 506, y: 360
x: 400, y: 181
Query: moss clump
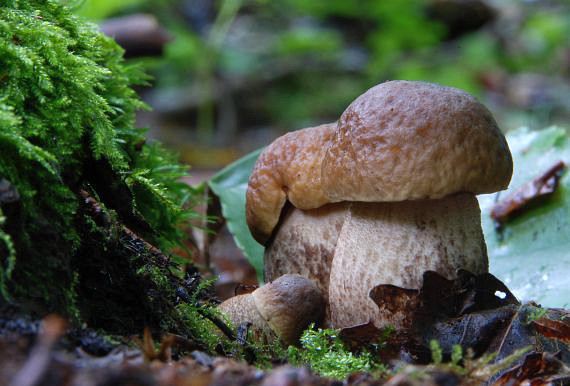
x: 327, y: 355
x: 84, y: 199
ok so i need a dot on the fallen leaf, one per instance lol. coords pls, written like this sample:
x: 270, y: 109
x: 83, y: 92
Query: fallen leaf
x: 361, y: 334
x: 471, y: 311
x: 477, y: 331
x: 400, y: 302
x: 441, y: 298
x: 482, y: 292
x: 536, y: 369
x: 541, y: 186
x: 555, y: 329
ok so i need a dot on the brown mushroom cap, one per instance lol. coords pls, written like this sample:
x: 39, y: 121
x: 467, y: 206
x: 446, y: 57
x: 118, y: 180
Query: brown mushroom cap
x: 282, y: 308
x: 289, y: 304
x: 404, y: 140
x: 242, y: 309
x: 289, y: 169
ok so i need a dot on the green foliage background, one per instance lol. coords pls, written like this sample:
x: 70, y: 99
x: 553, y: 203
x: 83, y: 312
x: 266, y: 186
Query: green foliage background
x: 286, y: 64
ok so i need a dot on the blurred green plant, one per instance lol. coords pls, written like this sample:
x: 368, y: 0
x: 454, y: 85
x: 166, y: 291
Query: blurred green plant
x: 230, y: 185
x: 97, y: 10
x: 294, y: 63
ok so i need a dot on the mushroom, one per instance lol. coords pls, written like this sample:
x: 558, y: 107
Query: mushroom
x: 289, y: 170
x: 283, y: 308
x: 389, y: 192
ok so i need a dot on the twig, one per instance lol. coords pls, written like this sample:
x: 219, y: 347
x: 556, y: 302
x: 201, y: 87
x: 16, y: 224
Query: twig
x: 218, y: 323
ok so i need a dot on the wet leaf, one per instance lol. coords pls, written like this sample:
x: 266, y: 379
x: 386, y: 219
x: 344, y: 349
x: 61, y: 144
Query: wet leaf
x: 527, y: 194
x: 476, y: 331
x: 400, y: 302
x: 470, y: 311
x: 537, y: 369
x: 476, y: 312
x: 533, y: 256
x: 442, y: 298
x: 230, y: 185
x: 473, y: 311
x: 360, y: 334
x: 555, y: 329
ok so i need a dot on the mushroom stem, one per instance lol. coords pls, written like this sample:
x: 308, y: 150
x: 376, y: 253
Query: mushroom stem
x: 304, y: 245
x: 395, y: 243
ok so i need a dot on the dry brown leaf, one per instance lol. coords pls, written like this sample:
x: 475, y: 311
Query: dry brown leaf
x: 541, y: 186
x: 400, y: 302
x: 537, y: 369
x: 360, y: 334
x: 555, y: 329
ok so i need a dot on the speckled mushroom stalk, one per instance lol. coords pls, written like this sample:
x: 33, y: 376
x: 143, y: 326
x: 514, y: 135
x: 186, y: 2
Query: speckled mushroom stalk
x: 395, y: 195
x: 395, y: 243
x: 305, y: 245
x: 400, y: 241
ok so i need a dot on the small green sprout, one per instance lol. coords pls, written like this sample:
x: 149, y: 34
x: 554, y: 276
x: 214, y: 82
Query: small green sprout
x: 456, y: 354
x: 436, y: 352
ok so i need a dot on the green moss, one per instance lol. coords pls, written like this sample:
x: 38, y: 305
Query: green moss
x: 536, y: 313
x: 155, y: 275
x: 91, y: 190
x: 203, y: 330
x: 327, y: 355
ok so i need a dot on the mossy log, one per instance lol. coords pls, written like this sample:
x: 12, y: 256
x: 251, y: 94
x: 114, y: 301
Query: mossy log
x: 87, y: 205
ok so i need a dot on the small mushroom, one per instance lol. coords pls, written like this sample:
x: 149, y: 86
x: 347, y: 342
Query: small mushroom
x: 283, y: 308
x: 389, y: 193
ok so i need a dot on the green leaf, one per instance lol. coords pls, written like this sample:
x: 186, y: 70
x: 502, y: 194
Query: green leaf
x: 101, y: 9
x: 230, y: 185
x: 533, y: 259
